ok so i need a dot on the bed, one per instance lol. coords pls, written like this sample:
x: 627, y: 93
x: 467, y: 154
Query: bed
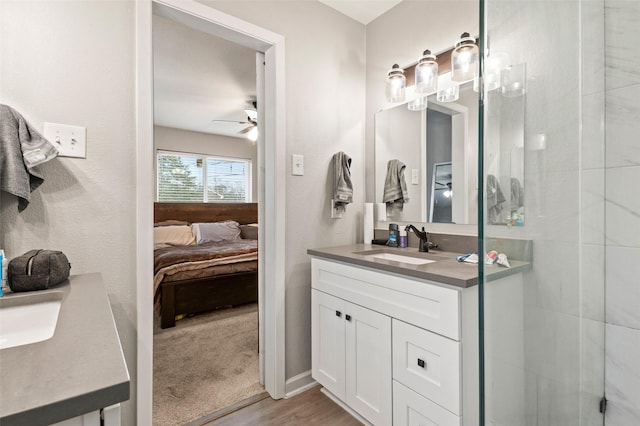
x: 194, y: 278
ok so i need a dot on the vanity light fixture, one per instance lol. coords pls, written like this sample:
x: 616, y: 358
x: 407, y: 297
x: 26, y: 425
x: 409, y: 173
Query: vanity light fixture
x: 426, y: 74
x: 513, y: 78
x: 493, y: 66
x: 396, y: 84
x: 450, y: 94
x: 464, y: 59
x: 418, y: 104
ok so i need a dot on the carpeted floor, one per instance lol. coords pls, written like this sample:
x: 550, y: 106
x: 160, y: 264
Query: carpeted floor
x: 205, y: 363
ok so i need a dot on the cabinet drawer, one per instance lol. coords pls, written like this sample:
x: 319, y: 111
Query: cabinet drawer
x: 427, y: 363
x: 415, y: 301
x: 411, y: 409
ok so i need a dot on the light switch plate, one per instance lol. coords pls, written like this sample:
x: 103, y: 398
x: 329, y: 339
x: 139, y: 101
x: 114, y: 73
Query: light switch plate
x: 415, y: 177
x: 297, y: 165
x: 71, y: 141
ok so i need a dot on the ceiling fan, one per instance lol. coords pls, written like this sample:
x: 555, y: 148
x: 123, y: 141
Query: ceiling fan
x: 252, y: 122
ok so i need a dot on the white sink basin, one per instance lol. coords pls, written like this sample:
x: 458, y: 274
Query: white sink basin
x: 28, y: 318
x: 401, y: 258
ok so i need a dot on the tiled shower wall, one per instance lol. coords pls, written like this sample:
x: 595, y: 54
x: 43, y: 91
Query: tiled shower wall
x: 622, y: 98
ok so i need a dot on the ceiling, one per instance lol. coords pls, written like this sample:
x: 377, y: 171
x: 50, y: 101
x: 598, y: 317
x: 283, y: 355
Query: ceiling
x: 199, y: 78
x: 363, y: 11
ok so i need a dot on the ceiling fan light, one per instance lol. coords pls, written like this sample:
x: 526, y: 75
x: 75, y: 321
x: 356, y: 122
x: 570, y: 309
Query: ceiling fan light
x: 252, y: 134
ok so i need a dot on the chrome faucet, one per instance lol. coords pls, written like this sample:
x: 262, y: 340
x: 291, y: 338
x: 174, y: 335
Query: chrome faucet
x: 423, y: 245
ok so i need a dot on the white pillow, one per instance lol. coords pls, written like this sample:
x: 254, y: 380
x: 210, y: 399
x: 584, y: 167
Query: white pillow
x: 228, y: 230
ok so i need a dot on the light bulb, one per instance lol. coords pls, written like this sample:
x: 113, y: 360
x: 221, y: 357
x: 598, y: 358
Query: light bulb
x: 426, y: 74
x: 396, y: 84
x: 464, y: 59
x: 252, y: 135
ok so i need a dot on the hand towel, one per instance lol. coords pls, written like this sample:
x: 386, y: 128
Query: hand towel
x: 495, y: 199
x: 342, y: 186
x: 22, y: 149
x: 517, y: 194
x: 395, y: 187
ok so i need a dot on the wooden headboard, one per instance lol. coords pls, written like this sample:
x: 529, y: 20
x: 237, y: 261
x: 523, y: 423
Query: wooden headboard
x: 242, y: 213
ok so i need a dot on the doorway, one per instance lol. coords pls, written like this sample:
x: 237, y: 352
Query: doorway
x: 205, y: 337
x: 271, y: 168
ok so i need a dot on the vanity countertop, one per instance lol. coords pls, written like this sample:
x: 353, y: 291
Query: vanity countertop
x: 445, y: 270
x: 78, y: 370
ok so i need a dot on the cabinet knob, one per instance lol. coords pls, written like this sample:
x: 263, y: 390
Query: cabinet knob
x: 421, y: 363
x: 348, y: 317
x: 339, y: 314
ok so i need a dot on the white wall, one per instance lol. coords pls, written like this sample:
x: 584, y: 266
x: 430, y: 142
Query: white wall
x: 72, y: 62
x: 171, y: 139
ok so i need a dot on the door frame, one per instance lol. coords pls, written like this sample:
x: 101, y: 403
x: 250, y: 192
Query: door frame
x: 271, y: 196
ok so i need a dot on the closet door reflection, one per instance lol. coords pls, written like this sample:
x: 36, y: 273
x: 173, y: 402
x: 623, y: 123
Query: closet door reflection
x: 441, y: 193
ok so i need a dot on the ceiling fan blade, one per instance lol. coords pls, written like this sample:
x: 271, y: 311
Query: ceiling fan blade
x: 230, y: 121
x: 246, y: 130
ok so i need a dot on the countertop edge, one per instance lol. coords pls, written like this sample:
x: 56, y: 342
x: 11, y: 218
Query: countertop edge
x: 348, y: 257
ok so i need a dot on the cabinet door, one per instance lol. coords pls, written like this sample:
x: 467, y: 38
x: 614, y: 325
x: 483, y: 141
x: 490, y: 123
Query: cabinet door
x: 327, y: 342
x: 368, y: 363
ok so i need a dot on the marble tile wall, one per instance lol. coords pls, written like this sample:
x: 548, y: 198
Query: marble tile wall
x: 622, y: 97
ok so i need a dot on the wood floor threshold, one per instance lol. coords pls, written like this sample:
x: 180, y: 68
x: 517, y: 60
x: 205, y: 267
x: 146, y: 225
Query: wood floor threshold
x: 228, y: 410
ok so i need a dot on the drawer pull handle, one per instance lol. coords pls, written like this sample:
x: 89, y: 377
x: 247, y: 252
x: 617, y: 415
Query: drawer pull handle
x: 421, y: 363
x: 348, y: 317
x: 339, y: 314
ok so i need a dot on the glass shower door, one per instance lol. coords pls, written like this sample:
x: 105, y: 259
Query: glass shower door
x: 542, y: 329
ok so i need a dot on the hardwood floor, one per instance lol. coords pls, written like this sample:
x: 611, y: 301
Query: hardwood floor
x: 309, y: 408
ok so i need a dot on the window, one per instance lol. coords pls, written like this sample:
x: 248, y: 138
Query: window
x: 183, y: 177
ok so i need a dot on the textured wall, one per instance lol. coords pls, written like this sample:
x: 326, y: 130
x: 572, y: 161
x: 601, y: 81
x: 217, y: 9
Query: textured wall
x: 72, y: 62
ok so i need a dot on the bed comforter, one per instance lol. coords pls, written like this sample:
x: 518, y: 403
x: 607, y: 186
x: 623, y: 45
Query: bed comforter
x: 169, y: 261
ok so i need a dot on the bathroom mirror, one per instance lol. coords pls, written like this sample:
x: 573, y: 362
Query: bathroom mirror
x: 439, y: 142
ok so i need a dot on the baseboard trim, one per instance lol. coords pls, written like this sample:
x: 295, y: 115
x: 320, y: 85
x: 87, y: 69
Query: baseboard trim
x: 298, y: 384
x: 345, y: 407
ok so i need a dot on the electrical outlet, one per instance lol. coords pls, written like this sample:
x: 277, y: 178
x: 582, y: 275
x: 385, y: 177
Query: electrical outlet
x: 71, y: 141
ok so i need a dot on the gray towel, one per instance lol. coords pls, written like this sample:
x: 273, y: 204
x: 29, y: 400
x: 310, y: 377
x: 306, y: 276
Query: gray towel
x: 342, y: 186
x: 22, y: 148
x: 517, y: 194
x: 395, y: 188
x: 495, y: 199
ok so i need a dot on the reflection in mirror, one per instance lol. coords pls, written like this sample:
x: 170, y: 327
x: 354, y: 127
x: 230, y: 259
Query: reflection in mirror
x: 446, y: 132
x: 441, y: 193
x: 504, y: 149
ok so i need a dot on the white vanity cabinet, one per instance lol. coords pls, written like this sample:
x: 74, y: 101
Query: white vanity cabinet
x: 396, y: 350
x: 352, y: 355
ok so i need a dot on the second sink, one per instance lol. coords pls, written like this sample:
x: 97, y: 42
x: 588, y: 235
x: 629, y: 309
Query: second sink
x: 401, y: 258
x: 410, y: 258
x: 28, y: 318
